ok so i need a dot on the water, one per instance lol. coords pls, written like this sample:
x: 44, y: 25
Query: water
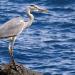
x: 48, y: 45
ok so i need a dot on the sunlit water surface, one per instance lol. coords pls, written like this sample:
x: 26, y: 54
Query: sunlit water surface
x: 48, y: 45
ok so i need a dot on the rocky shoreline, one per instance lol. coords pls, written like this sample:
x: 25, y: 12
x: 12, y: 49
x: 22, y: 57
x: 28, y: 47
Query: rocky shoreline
x: 8, y: 69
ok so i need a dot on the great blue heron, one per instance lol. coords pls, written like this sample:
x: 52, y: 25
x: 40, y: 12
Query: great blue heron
x: 15, y: 26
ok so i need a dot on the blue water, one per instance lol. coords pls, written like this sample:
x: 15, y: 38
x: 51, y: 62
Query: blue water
x: 48, y: 45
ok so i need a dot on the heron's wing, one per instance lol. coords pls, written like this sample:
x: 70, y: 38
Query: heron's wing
x: 12, y: 28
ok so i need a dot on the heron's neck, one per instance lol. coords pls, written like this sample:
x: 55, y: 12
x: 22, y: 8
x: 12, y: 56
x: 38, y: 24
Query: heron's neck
x: 31, y: 17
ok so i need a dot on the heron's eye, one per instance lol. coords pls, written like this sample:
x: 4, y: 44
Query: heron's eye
x: 33, y: 7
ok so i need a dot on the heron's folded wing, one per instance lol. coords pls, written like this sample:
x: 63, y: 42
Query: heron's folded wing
x: 11, y: 28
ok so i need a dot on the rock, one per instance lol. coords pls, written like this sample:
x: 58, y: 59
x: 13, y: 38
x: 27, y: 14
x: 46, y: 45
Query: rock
x: 9, y: 69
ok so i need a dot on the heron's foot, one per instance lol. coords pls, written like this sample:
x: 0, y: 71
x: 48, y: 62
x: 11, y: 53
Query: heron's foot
x: 13, y: 65
x: 16, y: 67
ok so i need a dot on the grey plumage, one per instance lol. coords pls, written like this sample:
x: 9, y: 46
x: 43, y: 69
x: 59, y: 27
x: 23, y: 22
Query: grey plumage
x: 15, y: 26
x: 12, y: 28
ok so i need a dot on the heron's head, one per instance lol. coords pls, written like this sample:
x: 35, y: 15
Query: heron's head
x: 37, y: 8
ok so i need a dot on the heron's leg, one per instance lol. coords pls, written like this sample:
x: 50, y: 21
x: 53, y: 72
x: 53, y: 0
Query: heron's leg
x: 11, y: 45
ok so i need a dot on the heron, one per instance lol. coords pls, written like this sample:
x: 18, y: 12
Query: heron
x: 12, y: 28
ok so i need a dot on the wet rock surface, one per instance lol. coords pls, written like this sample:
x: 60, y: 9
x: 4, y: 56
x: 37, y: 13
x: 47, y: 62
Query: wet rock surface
x: 9, y: 69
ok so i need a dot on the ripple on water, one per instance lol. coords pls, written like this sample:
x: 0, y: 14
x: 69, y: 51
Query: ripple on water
x: 48, y: 45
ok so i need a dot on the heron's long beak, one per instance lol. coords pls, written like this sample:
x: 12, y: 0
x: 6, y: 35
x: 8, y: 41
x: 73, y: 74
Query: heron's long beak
x: 43, y: 10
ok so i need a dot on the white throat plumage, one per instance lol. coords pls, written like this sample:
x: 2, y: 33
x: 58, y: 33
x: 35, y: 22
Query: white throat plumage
x: 31, y: 17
